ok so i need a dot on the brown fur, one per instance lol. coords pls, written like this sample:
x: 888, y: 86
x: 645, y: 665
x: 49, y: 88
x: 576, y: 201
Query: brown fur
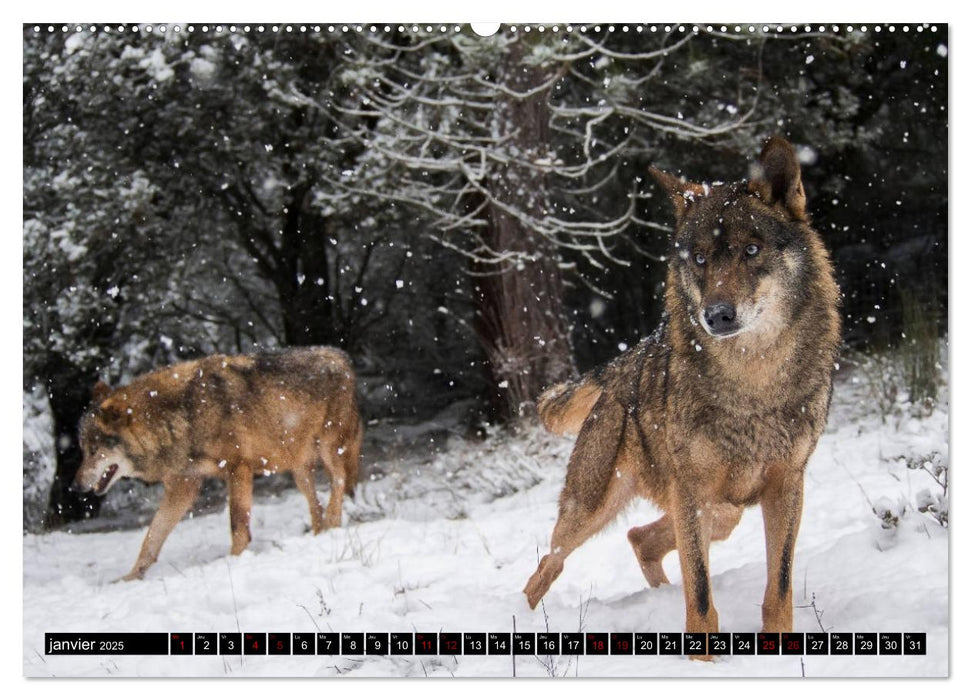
x: 564, y: 407
x: 227, y: 418
x: 705, y: 424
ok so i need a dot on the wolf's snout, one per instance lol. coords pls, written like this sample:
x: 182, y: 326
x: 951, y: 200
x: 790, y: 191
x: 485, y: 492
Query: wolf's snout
x: 105, y: 481
x: 721, y: 319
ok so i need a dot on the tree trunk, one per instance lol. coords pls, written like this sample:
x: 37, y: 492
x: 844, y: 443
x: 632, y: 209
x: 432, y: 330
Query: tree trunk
x: 303, y: 279
x: 69, y: 391
x: 306, y: 304
x: 519, y: 318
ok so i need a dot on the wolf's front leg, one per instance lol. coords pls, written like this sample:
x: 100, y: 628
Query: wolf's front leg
x: 781, y: 512
x: 691, y: 532
x: 178, y: 497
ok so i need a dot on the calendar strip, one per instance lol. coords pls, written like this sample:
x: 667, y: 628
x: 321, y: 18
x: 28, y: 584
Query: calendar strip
x: 486, y: 643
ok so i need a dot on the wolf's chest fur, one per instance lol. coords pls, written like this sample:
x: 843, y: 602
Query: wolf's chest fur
x: 711, y: 426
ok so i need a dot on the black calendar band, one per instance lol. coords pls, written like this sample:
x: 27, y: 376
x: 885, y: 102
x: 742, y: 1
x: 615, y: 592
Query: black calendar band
x: 486, y: 643
x: 120, y: 643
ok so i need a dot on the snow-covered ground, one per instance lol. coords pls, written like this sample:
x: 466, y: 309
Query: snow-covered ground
x: 445, y: 542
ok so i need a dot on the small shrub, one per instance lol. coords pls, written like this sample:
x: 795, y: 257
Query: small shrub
x: 883, y: 381
x: 920, y: 351
x: 934, y: 504
x: 889, y: 512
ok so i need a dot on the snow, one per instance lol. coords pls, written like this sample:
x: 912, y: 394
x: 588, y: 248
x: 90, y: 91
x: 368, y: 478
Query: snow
x: 445, y: 541
x: 807, y: 155
x: 155, y: 65
x: 202, y: 68
x: 74, y: 43
x: 38, y: 441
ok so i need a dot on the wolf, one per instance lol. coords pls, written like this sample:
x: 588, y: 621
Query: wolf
x: 722, y: 406
x: 227, y: 417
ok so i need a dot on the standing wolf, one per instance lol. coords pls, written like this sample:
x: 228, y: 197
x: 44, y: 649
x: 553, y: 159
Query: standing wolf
x: 226, y: 417
x: 722, y: 406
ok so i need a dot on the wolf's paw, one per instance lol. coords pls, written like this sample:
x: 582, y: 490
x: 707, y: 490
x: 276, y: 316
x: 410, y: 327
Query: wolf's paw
x: 644, y: 541
x: 539, y: 583
x: 653, y: 572
x: 322, y: 527
x: 133, y: 575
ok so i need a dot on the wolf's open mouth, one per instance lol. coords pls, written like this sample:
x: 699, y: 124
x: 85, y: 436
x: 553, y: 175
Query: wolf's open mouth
x: 105, y: 479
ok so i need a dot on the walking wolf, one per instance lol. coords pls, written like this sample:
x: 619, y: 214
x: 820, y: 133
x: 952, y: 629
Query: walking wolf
x: 722, y: 406
x: 226, y: 417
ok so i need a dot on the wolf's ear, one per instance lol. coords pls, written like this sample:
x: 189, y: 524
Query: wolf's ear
x: 113, y: 414
x: 682, y: 193
x: 100, y: 392
x: 777, y: 178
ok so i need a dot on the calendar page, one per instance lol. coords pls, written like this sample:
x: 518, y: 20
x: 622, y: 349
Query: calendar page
x: 508, y: 351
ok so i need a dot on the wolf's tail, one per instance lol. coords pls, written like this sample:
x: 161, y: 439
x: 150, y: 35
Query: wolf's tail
x: 353, y: 464
x: 564, y: 407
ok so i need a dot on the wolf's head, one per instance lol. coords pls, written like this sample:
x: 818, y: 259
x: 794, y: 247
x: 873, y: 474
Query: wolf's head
x: 103, y: 443
x: 743, y: 252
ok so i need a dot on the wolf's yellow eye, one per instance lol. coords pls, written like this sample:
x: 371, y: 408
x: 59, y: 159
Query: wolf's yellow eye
x: 752, y: 250
x: 699, y: 258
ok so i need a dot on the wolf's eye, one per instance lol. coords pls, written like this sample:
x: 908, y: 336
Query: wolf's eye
x: 752, y: 250
x: 699, y: 258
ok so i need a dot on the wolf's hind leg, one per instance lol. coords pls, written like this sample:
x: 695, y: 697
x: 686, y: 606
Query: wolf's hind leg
x: 304, y: 478
x: 334, y: 462
x: 599, y: 482
x: 653, y: 542
x: 240, y: 506
x: 567, y: 536
x: 575, y: 526
x: 178, y: 497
